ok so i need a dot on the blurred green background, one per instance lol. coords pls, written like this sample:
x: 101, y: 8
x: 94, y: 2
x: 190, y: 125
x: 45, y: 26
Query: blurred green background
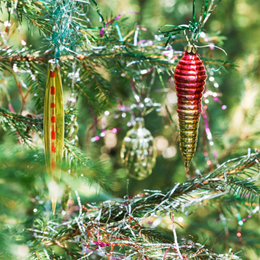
x: 234, y: 129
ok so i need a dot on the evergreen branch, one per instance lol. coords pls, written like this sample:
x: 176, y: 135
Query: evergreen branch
x: 95, y: 89
x: 38, y: 81
x: 215, y: 178
x: 93, y: 171
x: 19, y: 124
x: 101, y: 83
x: 159, y: 60
x: 31, y: 163
x: 154, y: 59
x: 176, y: 198
x: 157, y: 236
x: 244, y: 187
x: 228, y: 64
x: 31, y: 19
x: 97, y: 172
x: 16, y: 117
x: 65, y: 35
x: 250, y: 237
x: 112, y: 229
x: 125, y: 217
x: 26, y: 57
x: 33, y: 11
x: 127, y: 236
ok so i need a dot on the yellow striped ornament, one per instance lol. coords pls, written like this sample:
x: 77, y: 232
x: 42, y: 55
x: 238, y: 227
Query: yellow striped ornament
x: 53, y: 126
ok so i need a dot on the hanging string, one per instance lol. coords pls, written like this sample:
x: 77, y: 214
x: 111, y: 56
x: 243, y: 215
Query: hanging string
x: 215, y: 46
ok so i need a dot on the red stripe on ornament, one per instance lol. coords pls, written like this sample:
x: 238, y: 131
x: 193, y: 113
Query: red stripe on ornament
x: 53, y: 119
x: 52, y: 105
x: 53, y: 164
x: 53, y: 90
x: 52, y: 74
x: 53, y: 134
x: 53, y: 148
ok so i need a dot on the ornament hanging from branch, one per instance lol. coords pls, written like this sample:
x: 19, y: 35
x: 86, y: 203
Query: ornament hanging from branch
x: 66, y: 30
x: 53, y: 127
x: 138, y: 152
x: 190, y: 76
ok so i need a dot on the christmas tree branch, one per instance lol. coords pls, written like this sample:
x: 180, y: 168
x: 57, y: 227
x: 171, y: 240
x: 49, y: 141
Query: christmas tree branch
x: 16, y: 117
x: 122, y: 220
x: 152, y: 58
x: 93, y: 171
x: 31, y: 161
x: 18, y: 124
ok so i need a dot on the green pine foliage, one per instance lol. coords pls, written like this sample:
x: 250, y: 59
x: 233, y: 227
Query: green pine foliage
x: 108, y: 59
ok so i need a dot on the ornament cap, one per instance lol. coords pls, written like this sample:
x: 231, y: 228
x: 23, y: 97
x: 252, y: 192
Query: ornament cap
x: 139, y: 122
x: 191, y: 49
x: 52, y: 64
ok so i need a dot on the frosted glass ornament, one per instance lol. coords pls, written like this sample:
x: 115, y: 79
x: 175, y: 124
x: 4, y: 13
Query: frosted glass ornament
x: 138, y: 152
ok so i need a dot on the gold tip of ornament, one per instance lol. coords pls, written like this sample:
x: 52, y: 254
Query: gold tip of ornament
x: 53, y: 204
x: 187, y: 166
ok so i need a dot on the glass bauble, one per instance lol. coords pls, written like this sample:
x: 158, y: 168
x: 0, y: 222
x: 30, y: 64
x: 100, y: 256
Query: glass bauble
x: 138, y: 152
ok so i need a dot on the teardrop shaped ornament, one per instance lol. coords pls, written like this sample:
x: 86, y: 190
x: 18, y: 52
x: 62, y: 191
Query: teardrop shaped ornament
x: 190, y: 76
x: 138, y: 152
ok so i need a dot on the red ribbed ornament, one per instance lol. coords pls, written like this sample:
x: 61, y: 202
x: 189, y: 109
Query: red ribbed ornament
x: 190, y: 76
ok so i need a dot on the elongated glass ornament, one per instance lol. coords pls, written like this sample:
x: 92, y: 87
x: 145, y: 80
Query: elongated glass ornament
x: 190, y: 76
x: 53, y: 127
x: 138, y: 153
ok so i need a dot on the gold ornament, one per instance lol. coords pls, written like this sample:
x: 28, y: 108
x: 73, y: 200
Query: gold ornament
x: 138, y: 152
x: 53, y: 126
